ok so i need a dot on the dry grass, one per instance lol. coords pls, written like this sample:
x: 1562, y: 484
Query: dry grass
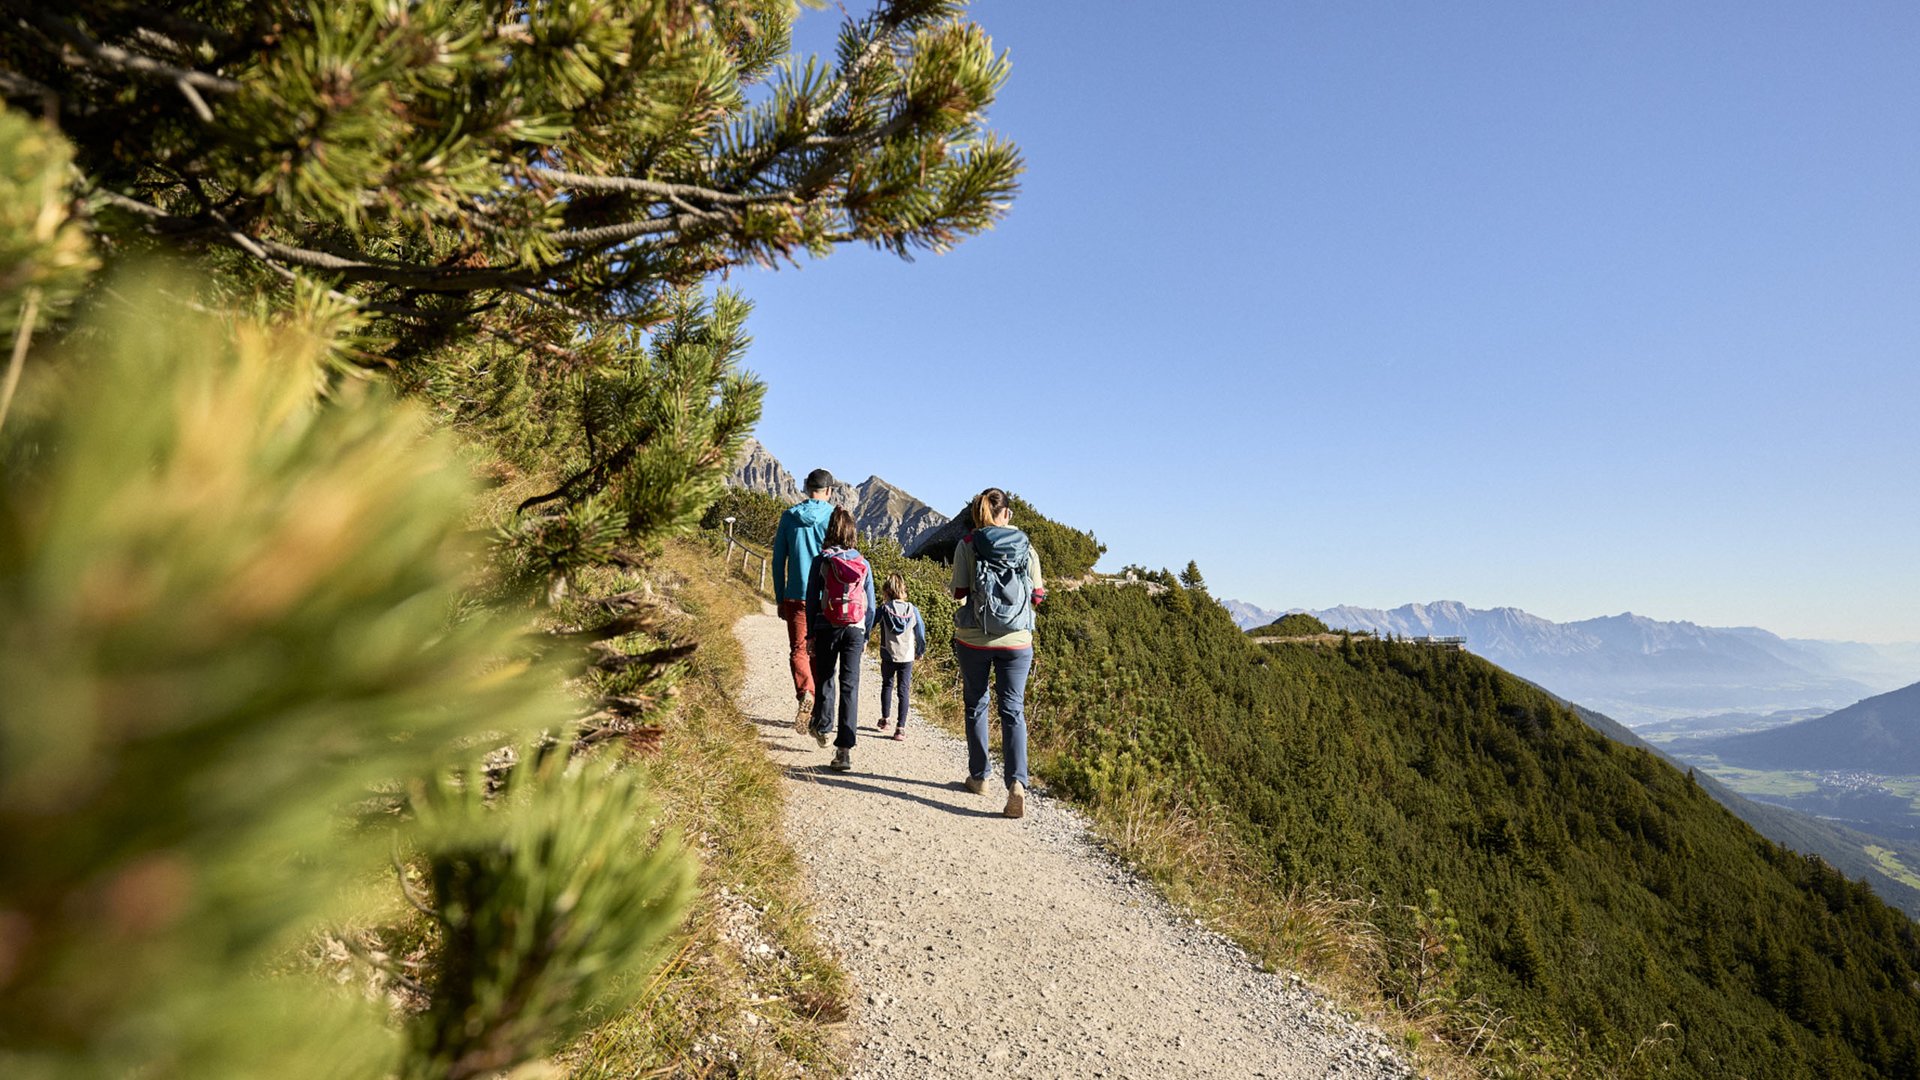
x: 749, y: 992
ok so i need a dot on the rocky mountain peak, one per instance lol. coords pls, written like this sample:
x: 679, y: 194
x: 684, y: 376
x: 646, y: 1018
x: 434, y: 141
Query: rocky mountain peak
x: 878, y: 507
x: 758, y: 470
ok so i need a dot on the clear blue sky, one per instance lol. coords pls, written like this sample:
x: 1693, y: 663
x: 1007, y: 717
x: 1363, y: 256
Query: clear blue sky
x: 1580, y: 309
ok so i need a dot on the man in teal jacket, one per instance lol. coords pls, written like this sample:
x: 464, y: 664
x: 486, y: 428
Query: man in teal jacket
x: 802, y: 532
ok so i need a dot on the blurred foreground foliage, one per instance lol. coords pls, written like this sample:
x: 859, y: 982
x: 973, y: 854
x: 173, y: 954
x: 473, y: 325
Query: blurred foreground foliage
x: 231, y: 613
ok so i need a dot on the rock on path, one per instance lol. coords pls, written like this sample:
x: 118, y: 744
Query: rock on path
x: 985, y: 947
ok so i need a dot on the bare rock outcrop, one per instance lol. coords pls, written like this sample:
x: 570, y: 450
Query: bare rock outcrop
x: 878, y: 508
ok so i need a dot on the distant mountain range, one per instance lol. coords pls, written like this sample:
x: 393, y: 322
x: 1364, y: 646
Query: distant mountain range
x: 1642, y: 670
x: 878, y: 508
x: 1879, y: 735
x: 1246, y: 616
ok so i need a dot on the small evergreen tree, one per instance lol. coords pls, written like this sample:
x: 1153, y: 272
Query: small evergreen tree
x: 1190, y: 577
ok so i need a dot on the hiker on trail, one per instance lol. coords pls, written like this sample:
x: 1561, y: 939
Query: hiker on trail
x: 903, y: 639
x: 996, y: 575
x: 840, y: 614
x: 798, y: 540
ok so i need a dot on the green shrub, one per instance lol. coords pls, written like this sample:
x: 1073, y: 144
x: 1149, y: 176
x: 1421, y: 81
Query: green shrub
x: 1066, y: 553
x: 756, y: 516
x: 1295, y: 624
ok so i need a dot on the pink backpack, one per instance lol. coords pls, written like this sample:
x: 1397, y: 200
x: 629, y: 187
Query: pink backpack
x: 844, y: 599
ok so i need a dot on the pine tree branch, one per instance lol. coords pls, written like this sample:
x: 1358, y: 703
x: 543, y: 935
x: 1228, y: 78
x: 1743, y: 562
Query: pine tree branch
x: 28, y: 313
x: 607, y: 235
x: 275, y: 254
x: 99, y: 55
x: 884, y: 24
x: 560, y: 178
x: 15, y: 85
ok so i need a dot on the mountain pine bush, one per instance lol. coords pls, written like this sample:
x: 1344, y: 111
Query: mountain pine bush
x: 231, y: 614
x: 1293, y: 624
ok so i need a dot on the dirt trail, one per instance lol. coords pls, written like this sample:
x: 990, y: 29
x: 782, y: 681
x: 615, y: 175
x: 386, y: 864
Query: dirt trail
x: 987, y: 947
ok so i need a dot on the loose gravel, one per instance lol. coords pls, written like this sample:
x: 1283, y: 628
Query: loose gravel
x: 982, y: 946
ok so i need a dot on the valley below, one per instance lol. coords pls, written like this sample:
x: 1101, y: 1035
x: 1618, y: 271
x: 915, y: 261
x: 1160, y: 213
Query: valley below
x: 1885, y: 805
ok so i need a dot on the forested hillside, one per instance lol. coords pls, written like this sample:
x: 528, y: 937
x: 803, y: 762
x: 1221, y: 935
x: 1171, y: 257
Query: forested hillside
x: 1849, y: 851
x: 1497, y: 850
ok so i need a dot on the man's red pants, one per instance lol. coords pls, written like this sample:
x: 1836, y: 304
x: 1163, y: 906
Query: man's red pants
x: 794, y: 614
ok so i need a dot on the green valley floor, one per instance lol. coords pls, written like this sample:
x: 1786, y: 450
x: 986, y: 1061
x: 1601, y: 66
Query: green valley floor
x: 982, y: 946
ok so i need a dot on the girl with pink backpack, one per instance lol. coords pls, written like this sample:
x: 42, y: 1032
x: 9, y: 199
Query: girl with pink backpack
x: 840, y: 615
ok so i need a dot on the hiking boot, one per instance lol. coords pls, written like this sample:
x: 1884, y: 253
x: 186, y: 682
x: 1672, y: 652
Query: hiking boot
x: 823, y: 736
x: 842, y: 760
x: 803, y: 717
x: 1016, y: 800
x: 899, y: 734
x: 882, y: 725
x: 975, y: 785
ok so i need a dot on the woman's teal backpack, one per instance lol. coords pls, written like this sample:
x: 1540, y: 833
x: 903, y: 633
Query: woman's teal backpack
x: 1000, y: 601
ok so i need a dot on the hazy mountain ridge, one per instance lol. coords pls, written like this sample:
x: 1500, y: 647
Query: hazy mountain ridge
x: 878, y: 507
x: 1641, y: 670
x: 1878, y: 735
x: 1247, y: 616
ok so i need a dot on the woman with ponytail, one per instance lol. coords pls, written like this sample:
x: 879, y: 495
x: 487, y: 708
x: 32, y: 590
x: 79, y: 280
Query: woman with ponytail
x: 996, y: 575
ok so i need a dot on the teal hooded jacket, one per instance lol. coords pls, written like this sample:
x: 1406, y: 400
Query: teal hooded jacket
x: 801, y: 535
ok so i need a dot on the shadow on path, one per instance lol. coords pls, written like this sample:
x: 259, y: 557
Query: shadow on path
x: 820, y: 774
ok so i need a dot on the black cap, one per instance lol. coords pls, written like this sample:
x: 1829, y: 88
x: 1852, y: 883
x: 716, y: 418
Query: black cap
x: 820, y: 480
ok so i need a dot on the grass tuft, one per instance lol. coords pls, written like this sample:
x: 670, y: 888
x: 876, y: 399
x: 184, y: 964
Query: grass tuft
x: 749, y: 991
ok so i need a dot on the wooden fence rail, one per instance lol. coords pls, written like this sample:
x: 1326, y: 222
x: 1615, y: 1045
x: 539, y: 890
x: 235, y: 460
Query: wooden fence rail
x: 746, y: 557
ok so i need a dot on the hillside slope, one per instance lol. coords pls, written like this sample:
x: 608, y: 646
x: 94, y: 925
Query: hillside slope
x: 1621, y: 918
x: 1845, y: 849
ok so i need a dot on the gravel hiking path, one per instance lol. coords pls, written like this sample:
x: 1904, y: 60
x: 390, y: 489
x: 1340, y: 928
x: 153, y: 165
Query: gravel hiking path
x: 985, y: 947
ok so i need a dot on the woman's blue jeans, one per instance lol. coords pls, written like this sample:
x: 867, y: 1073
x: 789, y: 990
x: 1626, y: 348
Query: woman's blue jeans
x: 1009, y: 668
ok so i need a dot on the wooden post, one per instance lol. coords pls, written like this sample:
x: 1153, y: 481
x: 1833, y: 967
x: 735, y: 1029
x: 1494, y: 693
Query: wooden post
x: 763, y: 576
